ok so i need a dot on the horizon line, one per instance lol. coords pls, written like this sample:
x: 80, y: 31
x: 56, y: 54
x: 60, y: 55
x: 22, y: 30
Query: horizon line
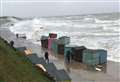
x: 55, y: 1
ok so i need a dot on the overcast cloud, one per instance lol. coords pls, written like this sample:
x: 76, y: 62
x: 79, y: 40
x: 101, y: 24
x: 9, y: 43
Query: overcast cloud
x: 37, y: 8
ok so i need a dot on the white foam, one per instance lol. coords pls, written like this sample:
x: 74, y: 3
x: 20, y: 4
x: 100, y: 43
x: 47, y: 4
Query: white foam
x: 106, y: 21
x: 93, y: 35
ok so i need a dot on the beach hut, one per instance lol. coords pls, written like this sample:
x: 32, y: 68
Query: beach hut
x: 54, y: 46
x: 77, y: 53
x: 94, y: 57
x: 65, y: 39
x: 90, y: 57
x: 68, y: 48
x: 52, y: 35
x: 102, y: 55
x: 44, y: 41
x: 50, y: 41
x: 58, y: 47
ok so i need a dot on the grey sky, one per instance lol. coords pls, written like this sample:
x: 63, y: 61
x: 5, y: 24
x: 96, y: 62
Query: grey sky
x: 57, y: 7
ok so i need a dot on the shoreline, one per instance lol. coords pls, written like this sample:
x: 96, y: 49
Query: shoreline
x: 38, y: 43
x: 78, y: 75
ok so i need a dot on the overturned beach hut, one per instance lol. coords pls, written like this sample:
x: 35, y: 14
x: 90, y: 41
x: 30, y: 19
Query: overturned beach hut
x: 51, y: 69
x: 62, y: 76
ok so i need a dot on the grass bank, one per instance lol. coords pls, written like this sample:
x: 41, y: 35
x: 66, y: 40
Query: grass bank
x: 15, y: 67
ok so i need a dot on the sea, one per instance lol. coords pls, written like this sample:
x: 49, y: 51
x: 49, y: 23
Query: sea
x: 94, y: 31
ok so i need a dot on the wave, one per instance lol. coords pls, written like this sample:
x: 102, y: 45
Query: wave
x: 106, y: 21
x: 91, y: 32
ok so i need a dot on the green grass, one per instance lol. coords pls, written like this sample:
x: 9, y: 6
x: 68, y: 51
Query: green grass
x: 15, y: 67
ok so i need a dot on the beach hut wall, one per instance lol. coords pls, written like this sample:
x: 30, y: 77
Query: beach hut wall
x: 58, y: 47
x: 102, y: 56
x: 77, y: 53
x: 90, y: 57
x: 69, y: 48
x: 50, y: 41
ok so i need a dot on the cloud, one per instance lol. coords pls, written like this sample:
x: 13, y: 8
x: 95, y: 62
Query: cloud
x: 31, y: 9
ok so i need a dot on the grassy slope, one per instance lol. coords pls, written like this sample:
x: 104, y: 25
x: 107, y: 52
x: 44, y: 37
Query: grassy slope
x: 14, y: 67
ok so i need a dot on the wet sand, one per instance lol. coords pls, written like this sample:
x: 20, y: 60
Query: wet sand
x: 77, y: 71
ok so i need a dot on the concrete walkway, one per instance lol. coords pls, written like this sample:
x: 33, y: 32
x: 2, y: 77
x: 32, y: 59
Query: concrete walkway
x: 77, y: 71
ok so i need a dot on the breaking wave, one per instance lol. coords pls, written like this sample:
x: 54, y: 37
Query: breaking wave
x: 88, y: 31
